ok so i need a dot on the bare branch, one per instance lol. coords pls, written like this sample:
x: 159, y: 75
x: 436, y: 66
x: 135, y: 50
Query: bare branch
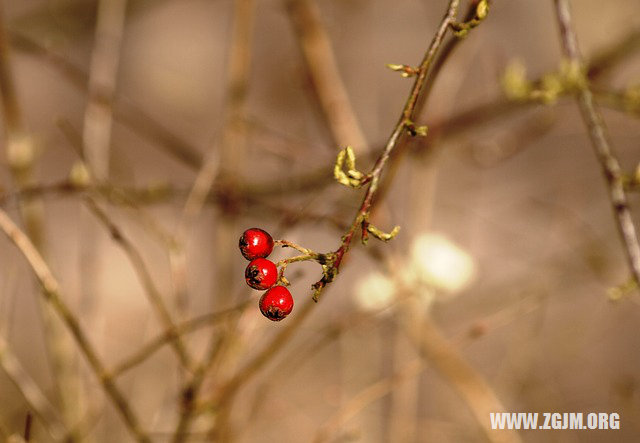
x: 599, y: 139
x: 474, y: 390
x: 51, y: 292
x: 323, y: 68
x: 33, y: 395
x: 153, y: 294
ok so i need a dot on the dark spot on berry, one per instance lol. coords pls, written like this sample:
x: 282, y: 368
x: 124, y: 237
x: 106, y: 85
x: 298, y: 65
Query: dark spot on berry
x: 274, y: 313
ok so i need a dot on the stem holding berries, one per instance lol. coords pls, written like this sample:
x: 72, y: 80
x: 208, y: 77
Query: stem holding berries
x: 405, y: 125
x: 345, y: 171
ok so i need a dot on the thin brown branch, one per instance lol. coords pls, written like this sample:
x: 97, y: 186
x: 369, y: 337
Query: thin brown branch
x: 168, y: 336
x: 191, y: 390
x: 463, y: 121
x: 21, y: 159
x: 404, y: 124
x: 364, y: 398
x: 599, y: 139
x: 51, y: 293
x: 470, y: 385
x: 105, y: 58
x: 222, y: 163
x: 126, y: 111
x: 32, y: 394
x: 226, y: 392
x: 140, y: 268
x: 323, y: 68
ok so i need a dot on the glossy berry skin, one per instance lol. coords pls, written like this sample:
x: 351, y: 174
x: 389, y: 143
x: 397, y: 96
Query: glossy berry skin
x: 255, y: 243
x: 276, y: 303
x: 261, y: 274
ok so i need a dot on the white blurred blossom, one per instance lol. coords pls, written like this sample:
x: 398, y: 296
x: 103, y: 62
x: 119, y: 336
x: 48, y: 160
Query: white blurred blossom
x: 374, y: 292
x: 439, y: 263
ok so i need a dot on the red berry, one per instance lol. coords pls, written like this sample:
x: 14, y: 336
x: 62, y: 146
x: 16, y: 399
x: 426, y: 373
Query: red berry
x: 255, y: 243
x: 276, y: 303
x: 261, y: 274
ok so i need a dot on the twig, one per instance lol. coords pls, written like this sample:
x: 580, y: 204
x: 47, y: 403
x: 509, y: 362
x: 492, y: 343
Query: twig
x: 471, y: 386
x: 404, y: 124
x: 599, y: 139
x: 222, y: 163
x: 34, y: 397
x: 28, y: 421
x: 21, y: 159
x: 105, y: 58
x: 602, y: 64
x: 126, y: 111
x: 51, y: 293
x: 96, y: 148
x: 153, y: 294
x: 323, y: 69
x: 168, y: 336
x: 365, y: 397
x: 226, y: 392
x: 192, y: 388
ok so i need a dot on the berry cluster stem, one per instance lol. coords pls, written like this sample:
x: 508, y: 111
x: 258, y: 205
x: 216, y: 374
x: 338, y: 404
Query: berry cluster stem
x: 404, y: 125
x: 332, y: 261
x: 307, y: 254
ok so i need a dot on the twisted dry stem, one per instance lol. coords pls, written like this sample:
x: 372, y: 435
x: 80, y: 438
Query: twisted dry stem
x: 599, y: 139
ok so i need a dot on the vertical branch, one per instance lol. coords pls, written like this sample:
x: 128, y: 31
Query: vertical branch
x: 228, y: 157
x: 600, y: 141
x: 98, y: 118
x: 322, y: 66
x: 224, y: 164
x: 96, y: 141
x: 21, y: 156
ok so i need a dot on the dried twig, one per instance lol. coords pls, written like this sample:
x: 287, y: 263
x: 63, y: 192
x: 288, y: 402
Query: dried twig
x: 404, y: 125
x: 226, y: 393
x: 474, y: 390
x: 323, y: 69
x: 21, y: 158
x: 126, y: 111
x: 168, y: 336
x: 223, y: 164
x: 599, y: 139
x: 365, y: 397
x: 51, y: 293
x: 34, y: 397
x: 105, y: 58
x: 153, y: 293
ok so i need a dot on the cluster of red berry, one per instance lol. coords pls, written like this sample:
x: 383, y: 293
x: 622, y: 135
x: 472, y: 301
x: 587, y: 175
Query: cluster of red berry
x: 255, y: 245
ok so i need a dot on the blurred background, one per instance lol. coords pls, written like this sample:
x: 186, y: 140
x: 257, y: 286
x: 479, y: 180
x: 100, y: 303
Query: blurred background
x: 141, y: 138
